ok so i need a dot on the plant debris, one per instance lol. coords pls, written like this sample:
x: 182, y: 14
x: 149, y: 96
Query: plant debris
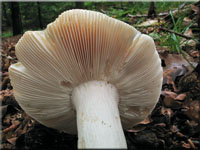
x: 173, y: 124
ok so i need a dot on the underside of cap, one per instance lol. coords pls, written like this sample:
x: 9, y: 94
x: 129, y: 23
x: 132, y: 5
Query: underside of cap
x: 81, y: 46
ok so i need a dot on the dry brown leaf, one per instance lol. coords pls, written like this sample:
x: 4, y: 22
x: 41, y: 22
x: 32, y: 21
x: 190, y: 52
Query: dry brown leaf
x: 181, y: 96
x: 148, y: 23
x: 7, y: 120
x: 1, y: 97
x: 194, y: 54
x: 167, y: 111
x: 185, y: 145
x: 175, y: 61
x: 195, y: 8
x: 171, y: 99
x: 169, y: 94
x: 12, y: 127
x: 189, y: 33
x: 194, y: 110
x: 146, y: 121
x: 8, y: 92
x: 191, y: 143
x: 25, y: 129
x: 174, y: 65
x: 12, y: 140
x: 137, y: 128
x: 179, y: 134
x: 187, y: 19
x: 174, y: 129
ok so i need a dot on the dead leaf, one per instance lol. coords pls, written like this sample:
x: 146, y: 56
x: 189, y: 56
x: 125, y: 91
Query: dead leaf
x: 186, y: 22
x: 191, y: 143
x: 179, y: 134
x: 181, y: 97
x: 1, y: 98
x: 8, y: 92
x: 174, y: 65
x: 171, y: 100
x: 194, y: 110
x: 195, y: 8
x: 12, y: 140
x: 169, y: 94
x: 146, y: 121
x: 166, y: 111
x: 187, y: 19
x: 185, y: 145
x: 175, y: 61
x: 137, y: 128
x: 174, y: 129
x: 194, y: 54
x: 189, y: 33
x: 160, y: 124
x: 7, y: 120
x: 25, y: 129
x: 12, y: 127
x: 148, y: 23
x: 188, y: 44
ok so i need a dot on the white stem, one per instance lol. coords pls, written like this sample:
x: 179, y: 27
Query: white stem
x: 98, y: 120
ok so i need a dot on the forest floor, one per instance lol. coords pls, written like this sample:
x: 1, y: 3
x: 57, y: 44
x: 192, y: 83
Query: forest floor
x: 173, y: 124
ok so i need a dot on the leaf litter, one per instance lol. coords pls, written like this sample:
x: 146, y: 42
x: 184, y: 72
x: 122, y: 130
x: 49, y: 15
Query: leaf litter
x: 173, y: 124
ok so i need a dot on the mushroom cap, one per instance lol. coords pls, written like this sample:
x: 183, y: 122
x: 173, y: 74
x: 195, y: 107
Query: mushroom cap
x: 80, y: 46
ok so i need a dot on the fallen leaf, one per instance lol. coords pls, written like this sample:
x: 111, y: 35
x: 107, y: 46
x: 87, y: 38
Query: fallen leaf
x: 166, y: 111
x: 1, y: 98
x: 194, y: 110
x: 175, y: 61
x: 187, y: 19
x: 148, y: 23
x: 146, y: 121
x: 181, y: 97
x: 169, y: 94
x: 12, y: 127
x: 195, y: 8
x: 191, y: 143
x: 194, y: 54
x: 174, y: 128
x: 174, y: 65
x: 7, y: 120
x: 188, y: 44
x: 171, y: 99
x: 12, y: 140
x: 185, y: 145
x: 189, y: 33
x: 137, y: 128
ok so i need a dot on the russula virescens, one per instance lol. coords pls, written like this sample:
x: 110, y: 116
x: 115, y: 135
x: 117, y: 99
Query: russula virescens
x: 87, y: 69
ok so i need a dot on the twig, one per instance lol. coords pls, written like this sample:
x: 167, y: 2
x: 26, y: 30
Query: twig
x: 177, y: 33
x: 144, y: 15
x: 136, y: 16
x: 101, y: 10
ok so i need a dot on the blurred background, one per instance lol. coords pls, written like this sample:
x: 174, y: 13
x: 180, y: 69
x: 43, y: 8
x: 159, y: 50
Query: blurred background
x: 18, y: 17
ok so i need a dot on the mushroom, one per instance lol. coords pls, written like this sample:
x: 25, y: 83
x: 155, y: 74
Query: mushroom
x: 87, y: 73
